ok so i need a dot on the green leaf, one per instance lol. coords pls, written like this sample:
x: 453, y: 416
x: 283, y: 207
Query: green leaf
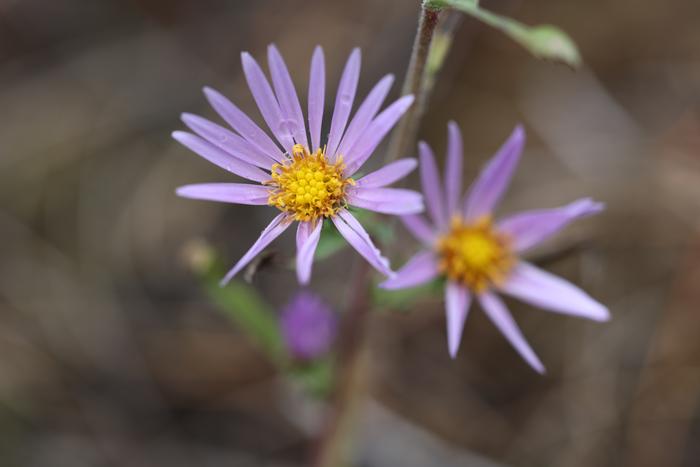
x: 545, y: 42
x: 239, y: 301
x: 330, y: 243
x: 245, y: 307
x: 548, y: 42
x: 316, y: 377
x: 378, y: 226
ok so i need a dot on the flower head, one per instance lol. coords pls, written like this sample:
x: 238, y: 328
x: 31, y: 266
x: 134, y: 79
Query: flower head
x: 306, y: 177
x: 478, y: 255
x: 308, y: 326
x: 309, y: 187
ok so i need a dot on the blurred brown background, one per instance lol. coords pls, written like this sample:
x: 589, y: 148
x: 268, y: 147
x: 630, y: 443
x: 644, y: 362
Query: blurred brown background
x: 110, y: 354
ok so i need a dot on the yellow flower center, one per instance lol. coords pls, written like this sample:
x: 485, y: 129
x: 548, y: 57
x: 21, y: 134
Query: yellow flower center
x: 474, y: 254
x: 307, y: 186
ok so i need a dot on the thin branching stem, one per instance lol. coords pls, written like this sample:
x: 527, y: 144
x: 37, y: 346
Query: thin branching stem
x: 350, y: 383
x: 405, y: 133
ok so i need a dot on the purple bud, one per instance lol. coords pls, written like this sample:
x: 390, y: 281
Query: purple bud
x: 308, y: 326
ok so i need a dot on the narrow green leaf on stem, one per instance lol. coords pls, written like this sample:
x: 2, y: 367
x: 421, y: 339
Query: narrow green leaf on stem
x: 242, y: 304
x: 238, y: 300
x: 545, y: 42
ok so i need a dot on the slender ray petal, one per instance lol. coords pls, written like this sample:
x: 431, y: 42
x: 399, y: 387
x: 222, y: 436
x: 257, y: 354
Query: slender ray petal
x: 265, y: 98
x: 228, y: 141
x: 344, y: 100
x: 545, y: 290
x: 397, y: 201
x: 364, y: 115
x: 286, y: 96
x: 457, y: 301
x: 420, y: 229
x: 278, y: 225
x: 529, y: 228
x: 374, y: 134
x: 239, y: 193
x: 453, y: 168
x: 307, y: 241
x: 358, y: 237
x: 430, y: 180
x: 242, y: 123
x: 219, y: 157
x: 303, y: 232
x: 501, y: 317
x: 317, y: 90
x: 418, y: 270
x: 388, y: 174
x: 495, y: 177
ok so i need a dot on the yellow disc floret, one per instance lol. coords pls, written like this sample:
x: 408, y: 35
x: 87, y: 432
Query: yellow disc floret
x: 307, y: 186
x: 474, y: 254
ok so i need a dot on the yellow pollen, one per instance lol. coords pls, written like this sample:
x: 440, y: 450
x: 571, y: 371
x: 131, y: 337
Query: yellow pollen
x: 307, y: 186
x: 474, y: 254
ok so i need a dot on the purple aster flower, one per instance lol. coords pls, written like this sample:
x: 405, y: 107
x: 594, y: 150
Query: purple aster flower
x: 308, y: 326
x: 478, y: 256
x: 306, y: 177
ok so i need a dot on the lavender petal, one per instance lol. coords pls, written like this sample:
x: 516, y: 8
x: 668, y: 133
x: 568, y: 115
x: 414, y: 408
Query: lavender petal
x: 307, y: 241
x: 364, y: 115
x: 501, y: 317
x: 453, y: 168
x: 418, y: 270
x: 420, y: 229
x: 430, y: 181
x: 545, y: 290
x: 278, y: 225
x: 317, y: 90
x: 219, y: 157
x: 359, y: 239
x: 343, y: 101
x: 266, y: 100
x: 240, y: 122
x: 375, y: 132
x: 388, y: 174
x: 495, y: 177
x: 287, y: 96
x: 398, y: 201
x: 239, y: 193
x: 228, y: 141
x: 529, y: 228
x: 457, y: 301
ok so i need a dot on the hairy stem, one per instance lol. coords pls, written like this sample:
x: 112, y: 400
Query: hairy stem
x: 405, y: 133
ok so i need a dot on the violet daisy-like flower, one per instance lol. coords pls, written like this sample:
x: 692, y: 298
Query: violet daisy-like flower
x: 479, y: 256
x: 308, y: 326
x: 306, y: 177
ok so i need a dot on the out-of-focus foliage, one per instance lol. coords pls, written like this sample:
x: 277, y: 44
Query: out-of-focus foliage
x: 242, y: 303
x: 545, y: 42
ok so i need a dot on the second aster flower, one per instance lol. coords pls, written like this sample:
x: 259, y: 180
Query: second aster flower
x: 479, y: 256
x: 306, y: 177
